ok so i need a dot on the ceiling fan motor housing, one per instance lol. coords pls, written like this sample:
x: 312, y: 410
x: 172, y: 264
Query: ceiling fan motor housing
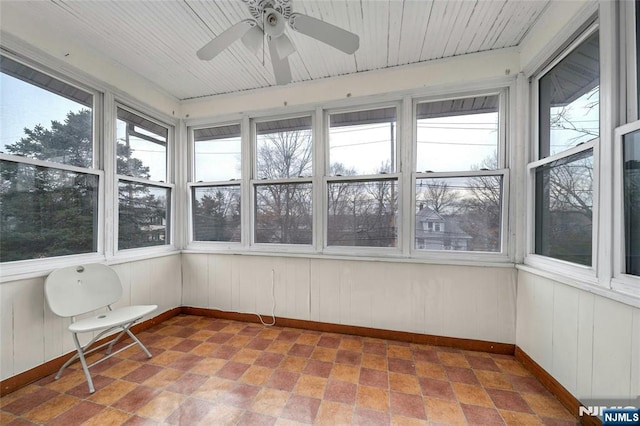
x: 258, y: 7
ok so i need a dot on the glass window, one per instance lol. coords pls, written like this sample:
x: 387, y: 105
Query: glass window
x: 46, y: 212
x: 631, y: 185
x: 143, y: 215
x: 362, y: 142
x: 569, y: 99
x: 144, y: 198
x: 283, y: 213
x: 283, y: 191
x: 216, y: 213
x: 142, y: 147
x: 459, y: 213
x: 217, y: 153
x: 362, y: 213
x: 284, y: 148
x: 564, y: 208
x: 458, y: 134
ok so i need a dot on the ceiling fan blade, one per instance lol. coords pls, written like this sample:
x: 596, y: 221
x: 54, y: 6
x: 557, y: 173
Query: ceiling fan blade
x: 228, y: 36
x: 327, y: 33
x: 281, y: 67
x: 253, y: 39
x: 284, y: 47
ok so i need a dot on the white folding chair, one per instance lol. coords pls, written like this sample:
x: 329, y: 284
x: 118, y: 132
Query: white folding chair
x: 77, y: 290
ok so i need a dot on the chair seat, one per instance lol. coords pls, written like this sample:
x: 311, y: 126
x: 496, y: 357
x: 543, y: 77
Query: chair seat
x: 119, y: 316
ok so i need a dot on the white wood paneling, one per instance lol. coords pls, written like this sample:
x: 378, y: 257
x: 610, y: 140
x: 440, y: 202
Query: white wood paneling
x: 591, y: 345
x: 7, y: 329
x: 467, y: 302
x: 28, y: 322
x: 612, y: 327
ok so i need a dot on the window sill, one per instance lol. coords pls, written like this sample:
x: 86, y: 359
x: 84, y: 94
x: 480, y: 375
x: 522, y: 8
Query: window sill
x: 588, y: 285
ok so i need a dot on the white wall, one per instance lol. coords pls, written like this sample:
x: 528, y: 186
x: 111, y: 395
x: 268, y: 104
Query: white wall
x: 30, y: 334
x: 589, y: 343
x: 455, y: 301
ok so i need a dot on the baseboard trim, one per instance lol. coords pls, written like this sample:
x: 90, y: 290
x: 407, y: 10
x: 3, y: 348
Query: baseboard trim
x: 403, y: 336
x: 21, y: 380
x: 565, y: 397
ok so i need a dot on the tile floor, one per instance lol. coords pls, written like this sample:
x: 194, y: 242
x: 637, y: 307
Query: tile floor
x: 216, y: 372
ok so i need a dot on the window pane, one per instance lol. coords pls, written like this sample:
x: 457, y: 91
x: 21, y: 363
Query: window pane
x: 362, y: 142
x: 363, y: 213
x: 142, y: 147
x: 217, y: 153
x: 283, y: 213
x: 143, y: 215
x: 46, y: 212
x: 570, y: 99
x: 44, y: 118
x: 458, y: 134
x: 459, y: 213
x: 216, y: 213
x: 284, y: 148
x: 631, y: 152
x: 564, y: 203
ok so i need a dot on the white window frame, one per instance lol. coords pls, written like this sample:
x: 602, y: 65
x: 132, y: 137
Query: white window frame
x: 171, y: 211
x: 573, y: 271
x: 192, y: 184
x: 621, y: 281
x: 396, y: 175
x: 503, y: 170
x: 16, y: 269
x: 253, y: 182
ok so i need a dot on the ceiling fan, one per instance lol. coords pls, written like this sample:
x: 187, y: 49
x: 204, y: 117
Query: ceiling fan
x: 269, y: 18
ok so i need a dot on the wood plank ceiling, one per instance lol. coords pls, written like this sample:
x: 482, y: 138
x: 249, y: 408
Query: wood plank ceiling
x: 158, y: 39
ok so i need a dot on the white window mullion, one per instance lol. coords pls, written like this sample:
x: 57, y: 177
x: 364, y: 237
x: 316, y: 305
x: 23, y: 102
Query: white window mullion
x: 320, y: 167
x: 246, y: 212
x: 110, y: 187
x: 406, y: 198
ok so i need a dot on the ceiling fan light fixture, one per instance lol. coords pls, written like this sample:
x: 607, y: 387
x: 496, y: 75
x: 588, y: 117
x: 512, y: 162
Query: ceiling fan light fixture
x: 273, y: 23
x: 283, y: 46
x: 253, y: 39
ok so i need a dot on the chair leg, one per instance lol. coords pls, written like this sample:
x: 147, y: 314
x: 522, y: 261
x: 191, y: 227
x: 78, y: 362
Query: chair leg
x: 84, y: 363
x: 135, y: 339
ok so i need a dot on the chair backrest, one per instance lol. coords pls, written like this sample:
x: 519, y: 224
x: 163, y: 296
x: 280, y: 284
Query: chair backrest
x: 78, y: 289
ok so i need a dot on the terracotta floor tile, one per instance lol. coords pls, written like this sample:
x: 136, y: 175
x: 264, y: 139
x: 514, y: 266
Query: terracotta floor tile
x: 439, y: 389
x: 78, y: 414
x: 213, y: 388
x: 407, y: 405
x: 481, y: 415
x: 109, y: 394
x: 324, y: 354
x: 492, y: 379
x: 340, y: 392
x: 375, y: 362
x: 404, y: 383
x: 222, y: 415
x: 512, y: 418
x: 547, y: 406
x: 108, y: 417
x: 508, y: 400
x: 52, y: 408
x: 333, y: 413
x: 345, y: 373
x: 293, y: 363
x: 374, y: 398
x: 301, y: 408
x: 162, y: 406
x: 445, y: 412
x: 312, y: 386
x: 270, y: 402
x: 461, y: 375
x: 431, y: 370
x: 283, y: 380
x: 256, y: 375
x: 471, y: 394
x: 396, y: 351
x: 208, y: 371
x: 453, y: 359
